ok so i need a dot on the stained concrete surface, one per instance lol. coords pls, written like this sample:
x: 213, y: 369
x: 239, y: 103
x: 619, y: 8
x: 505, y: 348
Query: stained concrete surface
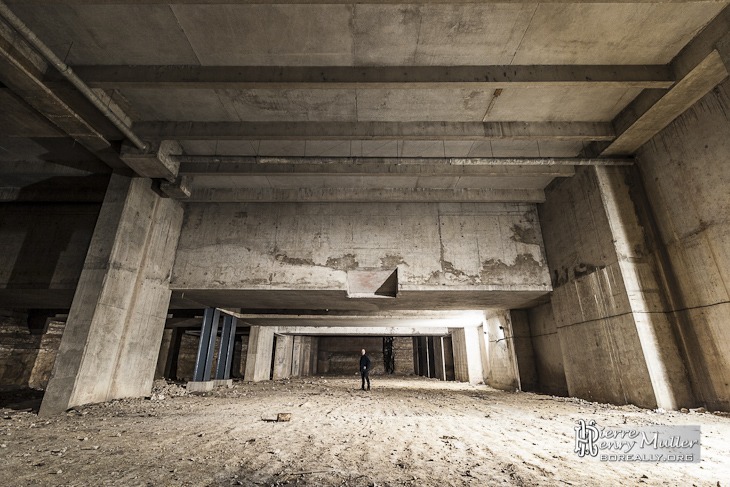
x: 403, y: 432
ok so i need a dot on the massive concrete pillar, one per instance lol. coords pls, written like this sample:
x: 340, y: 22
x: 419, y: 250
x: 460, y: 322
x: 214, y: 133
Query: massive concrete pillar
x: 467, y: 355
x: 302, y: 356
x: 283, y: 356
x: 656, y: 335
x: 260, y: 349
x: 608, y: 303
x: 112, y: 338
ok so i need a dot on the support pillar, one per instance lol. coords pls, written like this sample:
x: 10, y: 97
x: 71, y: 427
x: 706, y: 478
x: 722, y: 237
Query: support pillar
x: 114, y: 329
x: 467, y: 355
x: 260, y: 348
x: 438, y: 358
x: 314, y: 355
x: 283, y: 356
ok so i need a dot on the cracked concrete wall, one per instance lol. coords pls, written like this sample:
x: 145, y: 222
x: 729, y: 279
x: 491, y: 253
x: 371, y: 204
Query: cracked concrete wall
x: 313, y: 246
x: 685, y: 171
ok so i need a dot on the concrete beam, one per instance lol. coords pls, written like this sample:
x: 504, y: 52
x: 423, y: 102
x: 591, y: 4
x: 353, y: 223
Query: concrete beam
x: 156, y: 161
x: 370, y: 77
x: 375, y: 130
x: 363, y: 195
x: 22, y: 71
x: 496, y: 166
x: 698, y: 68
x: 361, y: 330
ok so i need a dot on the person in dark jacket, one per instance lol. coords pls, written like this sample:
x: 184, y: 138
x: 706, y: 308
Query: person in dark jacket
x: 365, y: 369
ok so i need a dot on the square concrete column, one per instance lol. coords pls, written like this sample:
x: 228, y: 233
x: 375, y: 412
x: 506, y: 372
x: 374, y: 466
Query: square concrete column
x: 283, y: 356
x: 502, y: 370
x: 260, y: 349
x: 467, y: 355
x: 438, y: 358
x: 306, y: 362
x: 314, y: 355
x: 114, y: 329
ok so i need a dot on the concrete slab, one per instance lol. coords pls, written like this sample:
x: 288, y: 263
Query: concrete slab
x: 269, y: 35
x: 110, y: 34
x: 612, y: 33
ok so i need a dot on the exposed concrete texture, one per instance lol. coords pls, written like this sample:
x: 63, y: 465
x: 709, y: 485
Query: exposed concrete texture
x: 548, y: 356
x: 467, y: 355
x: 503, y: 371
x: 686, y: 174
x: 259, y: 354
x: 232, y: 251
x: 523, y: 350
x: 166, y: 351
x: 283, y: 356
x: 43, y: 251
x: 114, y: 329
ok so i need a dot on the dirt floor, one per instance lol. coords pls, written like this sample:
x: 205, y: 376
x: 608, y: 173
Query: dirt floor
x: 406, y: 431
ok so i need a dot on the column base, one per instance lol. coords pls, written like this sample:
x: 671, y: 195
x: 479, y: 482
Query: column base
x: 202, y: 386
x: 222, y: 382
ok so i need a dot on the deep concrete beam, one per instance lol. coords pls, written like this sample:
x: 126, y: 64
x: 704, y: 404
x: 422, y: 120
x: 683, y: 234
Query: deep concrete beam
x: 235, y: 165
x: 361, y: 330
x: 375, y: 130
x: 698, y: 68
x: 360, y: 195
x: 370, y: 77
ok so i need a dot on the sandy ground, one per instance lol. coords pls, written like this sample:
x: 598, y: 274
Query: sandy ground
x: 406, y: 431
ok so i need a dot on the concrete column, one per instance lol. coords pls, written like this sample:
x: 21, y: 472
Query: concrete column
x: 467, y: 355
x: 114, y: 329
x: 306, y: 360
x: 438, y: 358
x: 258, y: 358
x: 314, y: 354
x: 502, y: 362
x: 296, y: 364
x: 283, y: 356
x: 416, y: 357
x: 164, y: 353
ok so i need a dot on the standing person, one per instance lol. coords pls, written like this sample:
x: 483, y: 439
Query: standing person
x: 364, y: 369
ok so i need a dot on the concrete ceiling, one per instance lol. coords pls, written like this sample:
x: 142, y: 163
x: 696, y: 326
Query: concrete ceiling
x: 381, y: 79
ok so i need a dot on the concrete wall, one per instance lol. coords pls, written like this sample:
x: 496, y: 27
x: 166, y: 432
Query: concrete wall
x: 467, y: 354
x: 403, y: 355
x: 341, y: 354
x: 114, y: 329
x: 686, y: 175
x: 547, y: 354
x: 43, y: 251
x: 435, y: 247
